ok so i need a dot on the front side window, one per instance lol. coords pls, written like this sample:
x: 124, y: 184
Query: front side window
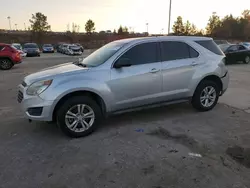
x: 174, y: 50
x: 142, y: 54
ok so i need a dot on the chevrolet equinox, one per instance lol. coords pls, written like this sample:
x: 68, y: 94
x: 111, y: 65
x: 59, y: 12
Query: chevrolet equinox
x: 124, y: 75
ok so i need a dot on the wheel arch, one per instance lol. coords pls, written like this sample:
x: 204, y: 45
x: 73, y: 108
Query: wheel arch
x: 214, y: 78
x: 91, y: 94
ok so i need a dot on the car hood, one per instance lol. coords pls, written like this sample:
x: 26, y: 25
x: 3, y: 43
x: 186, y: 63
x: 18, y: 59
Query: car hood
x: 52, y: 72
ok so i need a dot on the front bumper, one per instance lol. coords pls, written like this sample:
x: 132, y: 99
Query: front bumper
x: 225, y: 82
x: 27, y: 102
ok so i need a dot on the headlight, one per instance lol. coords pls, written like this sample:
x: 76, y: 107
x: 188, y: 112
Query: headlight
x: 38, y: 87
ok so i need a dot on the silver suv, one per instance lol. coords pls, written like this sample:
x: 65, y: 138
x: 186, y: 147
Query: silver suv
x: 126, y: 75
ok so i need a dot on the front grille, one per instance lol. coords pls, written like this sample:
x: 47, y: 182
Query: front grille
x: 20, y: 96
x: 24, y: 84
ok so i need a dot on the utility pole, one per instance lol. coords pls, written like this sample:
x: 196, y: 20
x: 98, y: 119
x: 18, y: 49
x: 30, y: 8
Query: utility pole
x: 147, y: 27
x: 9, y: 22
x: 169, y: 18
x: 16, y: 26
x: 24, y: 26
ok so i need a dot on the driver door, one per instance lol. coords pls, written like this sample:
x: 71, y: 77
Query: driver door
x: 141, y: 83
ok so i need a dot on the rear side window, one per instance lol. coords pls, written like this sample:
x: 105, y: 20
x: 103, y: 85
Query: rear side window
x: 173, y: 50
x: 1, y: 47
x: 143, y: 53
x: 211, y: 46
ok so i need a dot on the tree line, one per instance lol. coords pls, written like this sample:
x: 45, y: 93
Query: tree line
x: 228, y: 27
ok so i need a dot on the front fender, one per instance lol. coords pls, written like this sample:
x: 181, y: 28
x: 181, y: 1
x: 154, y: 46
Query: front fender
x: 66, y: 86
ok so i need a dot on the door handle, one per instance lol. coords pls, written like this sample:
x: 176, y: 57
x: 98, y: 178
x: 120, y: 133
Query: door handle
x: 154, y: 70
x: 194, y: 64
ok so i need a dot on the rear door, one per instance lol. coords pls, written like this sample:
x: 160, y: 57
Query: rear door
x: 141, y: 83
x: 179, y: 62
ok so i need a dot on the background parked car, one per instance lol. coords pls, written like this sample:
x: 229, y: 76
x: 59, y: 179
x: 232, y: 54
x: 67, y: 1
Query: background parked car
x: 235, y: 53
x: 73, y: 50
x: 247, y: 44
x: 8, y: 56
x: 48, y: 48
x: 81, y: 47
x: 19, y: 48
x: 31, y: 49
x: 62, y: 48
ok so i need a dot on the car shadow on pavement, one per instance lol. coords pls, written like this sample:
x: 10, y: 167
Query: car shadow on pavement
x: 147, y: 115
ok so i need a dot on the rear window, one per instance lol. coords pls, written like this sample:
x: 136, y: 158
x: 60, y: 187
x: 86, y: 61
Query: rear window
x: 211, y: 46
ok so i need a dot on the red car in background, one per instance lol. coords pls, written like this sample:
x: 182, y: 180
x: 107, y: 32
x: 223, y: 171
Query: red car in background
x: 9, y: 56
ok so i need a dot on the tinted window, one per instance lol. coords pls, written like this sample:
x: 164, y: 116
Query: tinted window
x: 211, y: 46
x: 172, y: 50
x: 242, y: 47
x: 1, y: 47
x: 142, y: 53
x: 193, y: 52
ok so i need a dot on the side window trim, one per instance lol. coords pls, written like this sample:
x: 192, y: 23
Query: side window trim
x: 188, y: 46
x: 144, y: 42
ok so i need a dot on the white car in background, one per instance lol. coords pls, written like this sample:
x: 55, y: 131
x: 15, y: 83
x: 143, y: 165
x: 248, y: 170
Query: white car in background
x: 19, y: 49
x: 72, y: 49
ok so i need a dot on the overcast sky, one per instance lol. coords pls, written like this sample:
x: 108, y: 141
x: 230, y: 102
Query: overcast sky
x: 109, y: 14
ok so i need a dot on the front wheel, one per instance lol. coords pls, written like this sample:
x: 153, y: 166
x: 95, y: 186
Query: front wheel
x: 5, y: 64
x: 206, y: 96
x: 247, y: 60
x: 79, y: 116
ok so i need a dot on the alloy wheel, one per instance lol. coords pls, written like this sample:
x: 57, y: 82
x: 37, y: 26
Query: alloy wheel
x: 80, y: 118
x: 247, y: 59
x: 5, y: 64
x: 208, y: 96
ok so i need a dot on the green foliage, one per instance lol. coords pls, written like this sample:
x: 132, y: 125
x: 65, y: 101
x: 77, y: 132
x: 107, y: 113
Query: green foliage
x: 178, y: 26
x: 229, y: 26
x: 39, y: 23
x: 226, y: 27
x: 89, y: 27
x: 214, y: 23
x: 122, y: 31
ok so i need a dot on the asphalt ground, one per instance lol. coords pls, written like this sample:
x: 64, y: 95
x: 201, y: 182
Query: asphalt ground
x: 167, y: 147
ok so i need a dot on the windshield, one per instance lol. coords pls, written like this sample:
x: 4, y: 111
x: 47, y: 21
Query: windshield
x: 47, y: 45
x: 102, y: 54
x: 73, y: 46
x: 30, y: 46
x: 18, y: 47
x: 246, y: 44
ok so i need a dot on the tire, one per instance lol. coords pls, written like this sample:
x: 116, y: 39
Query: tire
x: 6, y: 64
x: 247, y: 59
x: 79, y: 129
x: 200, y: 99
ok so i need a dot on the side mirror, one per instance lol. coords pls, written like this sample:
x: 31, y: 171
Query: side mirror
x: 122, y: 62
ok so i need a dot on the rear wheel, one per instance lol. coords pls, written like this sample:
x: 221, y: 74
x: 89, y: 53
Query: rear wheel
x: 79, y: 116
x: 6, y: 64
x: 206, y: 96
x: 247, y: 60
